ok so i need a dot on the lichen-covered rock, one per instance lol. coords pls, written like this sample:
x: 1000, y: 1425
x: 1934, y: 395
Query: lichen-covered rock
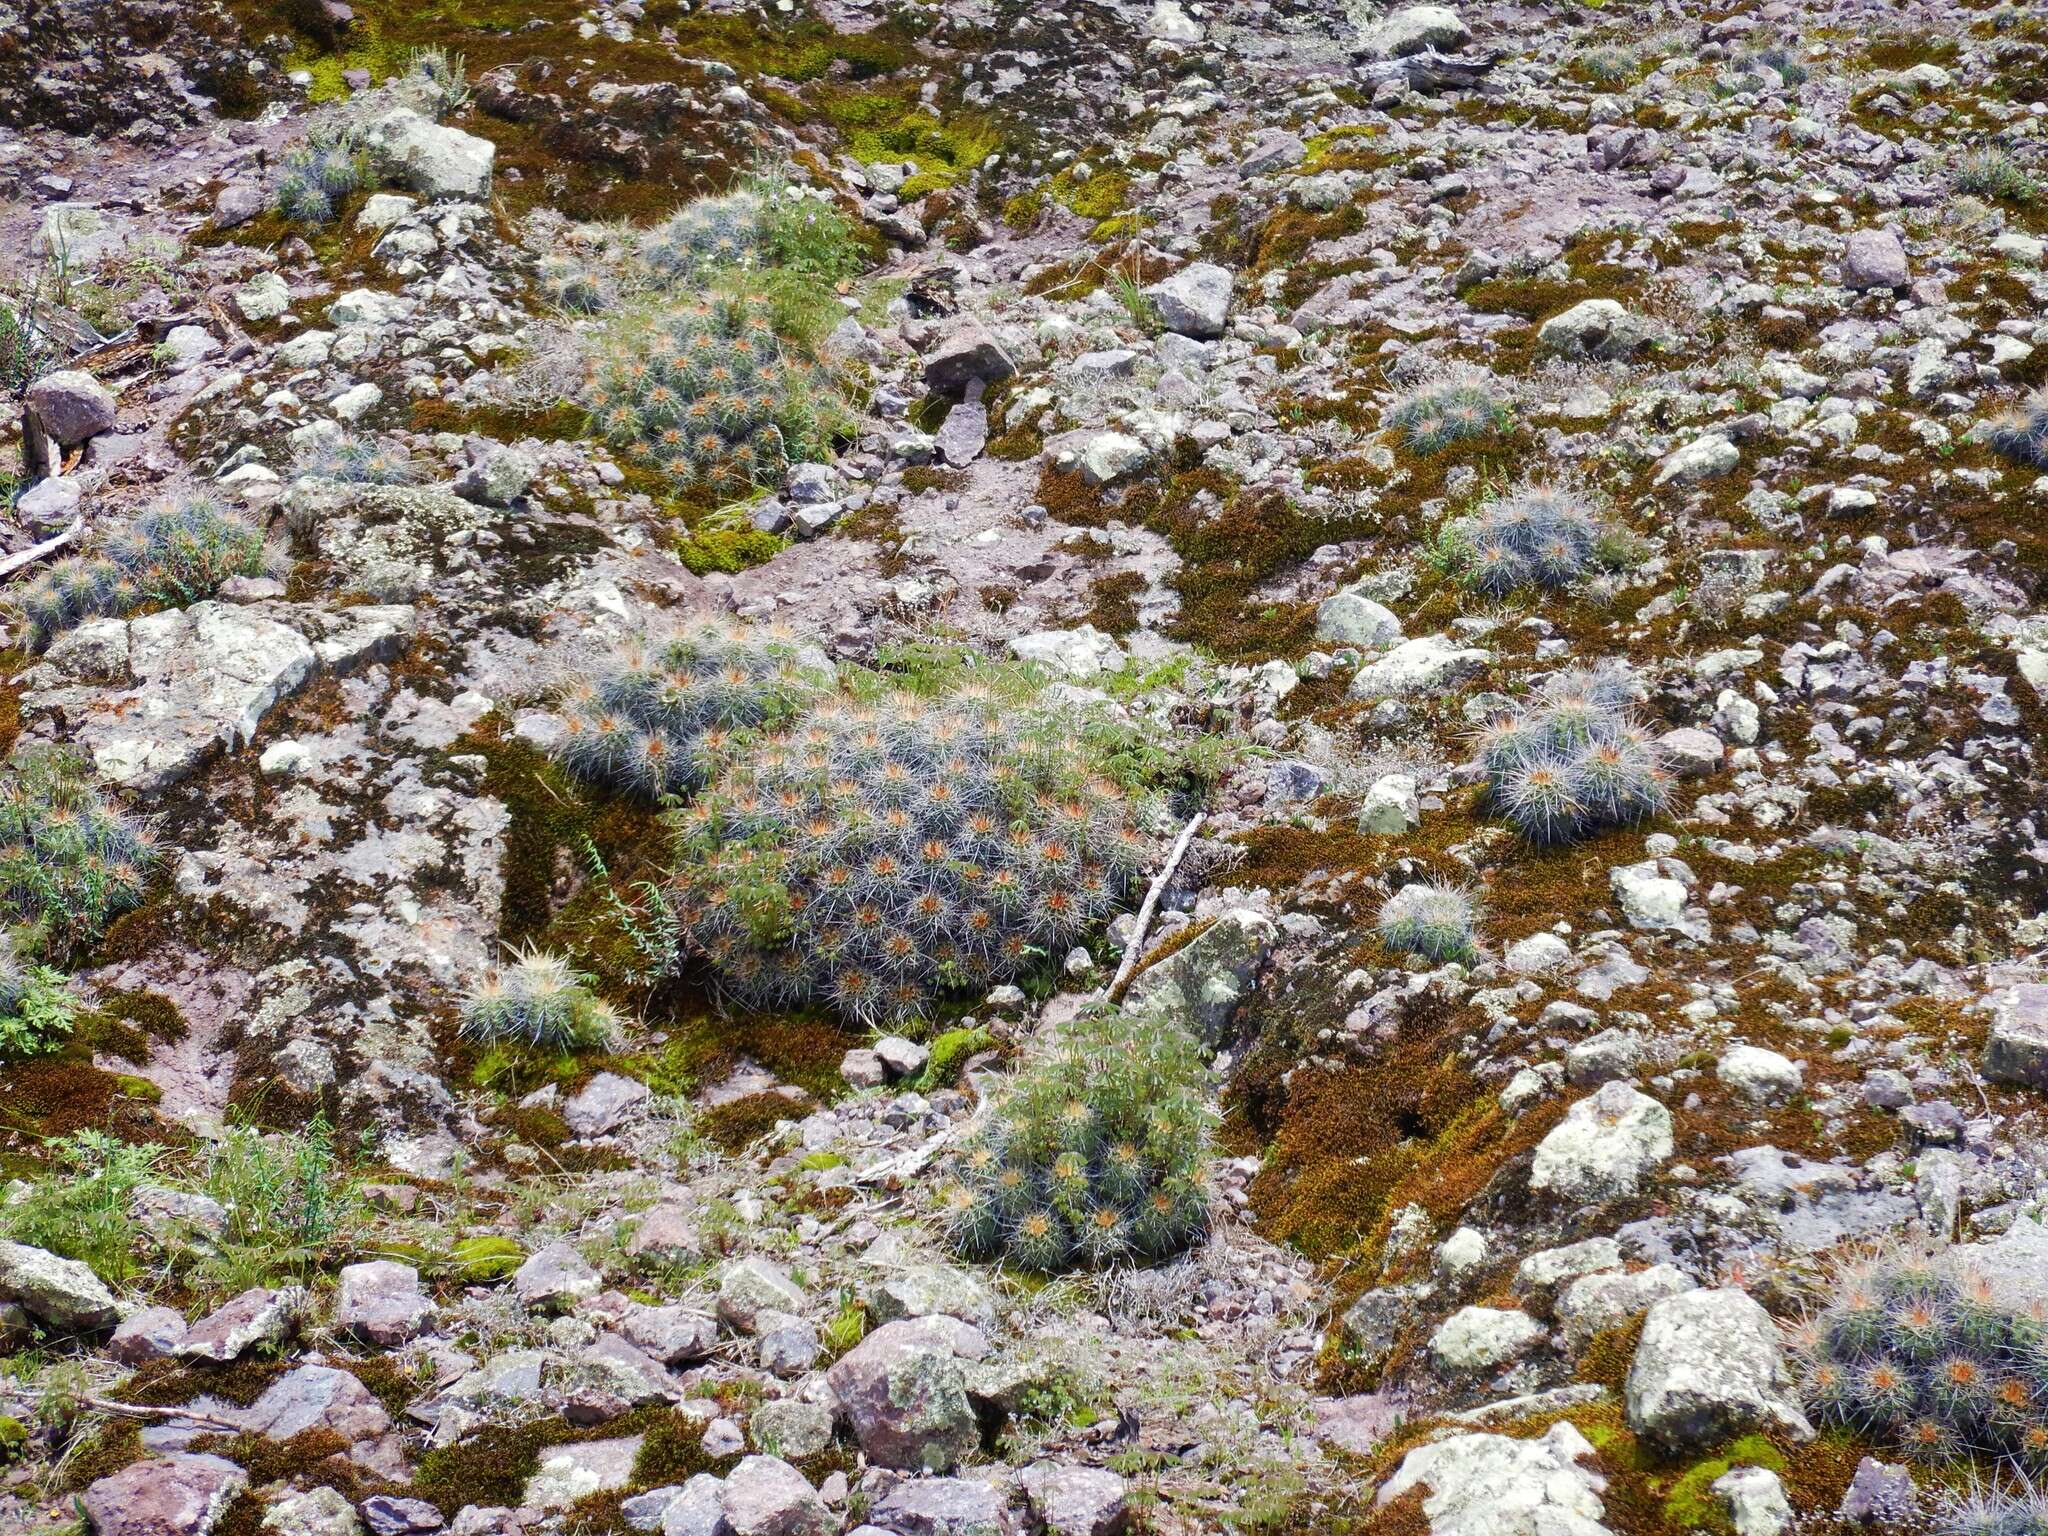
x: 904, y: 1390
x: 1205, y: 981
x: 1710, y: 1365
x: 62, y: 1292
x: 182, y: 1495
x: 430, y: 158
x: 1491, y: 1485
x: 1605, y: 1145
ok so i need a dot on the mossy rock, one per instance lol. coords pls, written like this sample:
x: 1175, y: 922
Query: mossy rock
x: 485, y: 1258
x: 949, y: 1054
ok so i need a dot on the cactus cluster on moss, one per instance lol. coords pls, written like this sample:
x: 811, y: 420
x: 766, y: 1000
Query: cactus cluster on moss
x: 1541, y: 536
x: 569, y: 284
x: 877, y: 855
x: 357, y: 461
x: 538, y: 1000
x: 1433, y: 920
x: 660, y: 721
x: 171, y: 557
x: 710, y: 394
x: 2021, y: 434
x: 1451, y: 411
x: 70, y: 863
x: 1928, y: 1356
x: 1097, y: 1155
x: 317, y: 175
x: 1991, y: 1509
x: 1574, y: 761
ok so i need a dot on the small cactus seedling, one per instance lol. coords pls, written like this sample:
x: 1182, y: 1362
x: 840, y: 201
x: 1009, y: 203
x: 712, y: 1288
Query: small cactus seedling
x: 1573, y: 762
x: 1454, y: 411
x: 357, y: 461
x: 317, y: 175
x: 1097, y: 1155
x: 1431, y: 920
x: 538, y: 1000
x: 1538, y: 536
x: 661, y: 721
x: 2021, y: 434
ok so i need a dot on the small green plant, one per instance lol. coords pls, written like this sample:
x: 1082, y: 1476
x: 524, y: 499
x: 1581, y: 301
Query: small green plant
x: 166, y: 558
x: 1539, y: 535
x: 37, y: 1009
x: 79, y: 1208
x: 1431, y: 920
x: 318, y: 174
x: 708, y: 393
x: 539, y: 1000
x: 660, y: 720
x: 356, y: 461
x: 287, y: 1201
x: 2021, y: 434
x: 1097, y: 1155
x: 1994, y: 173
x: 883, y: 853
x: 1573, y: 761
x: 1454, y: 411
x: 24, y: 353
x: 1926, y: 1355
x: 441, y: 77
x: 69, y: 862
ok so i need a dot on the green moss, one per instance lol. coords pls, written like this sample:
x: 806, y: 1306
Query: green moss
x: 1692, y: 1504
x: 729, y: 550
x: 949, y: 1055
x: 485, y: 1258
x: 1100, y: 197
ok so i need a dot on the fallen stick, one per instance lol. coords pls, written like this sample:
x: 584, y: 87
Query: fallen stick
x: 30, y: 556
x: 140, y: 1411
x: 1136, y: 947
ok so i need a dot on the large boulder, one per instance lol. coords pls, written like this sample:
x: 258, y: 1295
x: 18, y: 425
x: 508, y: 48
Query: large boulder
x: 1202, y: 983
x: 2016, y: 1050
x: 904, y: 1390
x: 1195, y: 301
x: 1710, y: 1365
x: 72, y: 405
x: 430, y: 158
x: 62, y: 1292
x: 164, y: 1496
x: 1604, y: 1145
x: 1414, y: 28
x: 1491, y: 1485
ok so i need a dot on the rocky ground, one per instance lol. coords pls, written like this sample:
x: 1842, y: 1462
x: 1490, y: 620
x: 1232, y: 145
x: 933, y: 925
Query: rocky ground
x: 1151, y: 304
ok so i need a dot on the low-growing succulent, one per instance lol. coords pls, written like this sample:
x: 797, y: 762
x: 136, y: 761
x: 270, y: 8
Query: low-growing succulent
x: 540, y: 1000
x: 1930, y: 1357
x: 704, y: 235
x: 69, y: 862
x: 1539, y: 535
x: 1995, y: 173
x: 171, y: 557
x: 1097, y: 1155
x: 876, y: 855
x: 661, y: 721
x: 1452, y: 411
x: 317, y: 175
x: 1573, y: 761
x: 708, y: 393
x: 573, y: 285
x: 1432, y: 920
x: 2021, y: 434
x: 1991, y: 1509
x: 358, y: 461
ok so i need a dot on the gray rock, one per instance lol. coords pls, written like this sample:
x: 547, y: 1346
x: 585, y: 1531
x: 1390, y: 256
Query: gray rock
x: 237, y: 203
x: 72, y: 405
x: 315, y: 1512
x: 570, y: 1473
x: 1429, y: 664
x: 1604, y: 1145
x: 164, y: 1496
x: 967, y: 353
x: 748, y: 1287
x: 430, y: 158
x: 903, y: 1058
x: 1350, y: 618
x: 932, y: 1290
x: 50, y: 502
x: 964, y: 433
x: 862, y: 1068
x: 604, y: 1104
x: 1483, y: 1338
x: 1710, y: 1365
x: 1759, y: 1075
x: 788, y: 1347
x: 1414, y: 28
x: 1874, y: 258
x: 1692, y: 753
x: 667, y: 1234
x: 1274, y: 151
x: 1195, y: 301
x: 1110, y: 456
x: 1595, y: 328
x: 940, y: 1506
x: 554, y: 1277
x: 766, y: 1496
x: 905, y: 1394
x: 696, y: 1509
x: 1377, y: 1319
x: 320, y: 1397
x: 1203, y: 983
x: 791, y: 1428
x: 1755, y: 1501
x: 1077, y: 653
x: 256, y: 1318
x: 1704, y: 458
x: 1076, y: 1501
x: 62, y: 1292
x: 387, y: 1515
x: 146, y: 1334
x: 1390, y: 808
x: 264, y: 297
x: 496, y: 475
x: 673, y: 1335
x: 2016, y: 1049
x: 381, y: 1303
x: 1491, y: 1485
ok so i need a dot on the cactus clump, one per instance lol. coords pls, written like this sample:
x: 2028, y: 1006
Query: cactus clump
x: 1450, y: 412
x: 1574, y: 761
x: 2021, y: 434
x: 876, y: 855
x: 317, y: 175
x: 660, y: 721
x: 169, y: 558
x: 1432, y: 920
x: 539, y: 1000
x: 709, y: 393
x: 69, y: 862
x: 702, y: 236
x: 1098, y: 1154
x: 1927, y: 1356
x: 1540, y: 536
x: 357, y: 461
x: 573, y: 285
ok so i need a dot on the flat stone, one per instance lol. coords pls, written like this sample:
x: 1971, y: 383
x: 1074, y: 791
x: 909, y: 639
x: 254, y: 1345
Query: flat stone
x: 164, y: 1496
x: 72, y: 405
x: 259, y: 1317
x: 604, y: 1104
x: 2016, y: 1049
x: 62, y: 1292
x: 1710, y: 1365
x: 1874, y: 258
